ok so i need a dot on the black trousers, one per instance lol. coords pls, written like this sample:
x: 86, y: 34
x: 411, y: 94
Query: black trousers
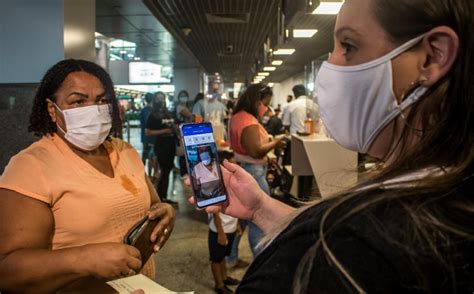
x: 165, y: 150
x: 182, y: 166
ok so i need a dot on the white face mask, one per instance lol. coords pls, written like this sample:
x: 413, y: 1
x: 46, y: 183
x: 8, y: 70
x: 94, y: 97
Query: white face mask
x: 357, y: 102
x: 88, y: 126
x: 205, y: 158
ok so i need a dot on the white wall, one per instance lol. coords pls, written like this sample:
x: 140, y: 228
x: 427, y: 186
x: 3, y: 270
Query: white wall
x: 31, y: 39
x: 283, y: 89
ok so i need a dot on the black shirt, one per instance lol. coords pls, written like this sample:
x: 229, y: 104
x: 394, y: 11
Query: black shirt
x: 159, y: 120
x: 379, y: 248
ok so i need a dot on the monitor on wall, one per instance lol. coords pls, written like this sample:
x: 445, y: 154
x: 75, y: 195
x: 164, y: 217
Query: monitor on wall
x: 143, y: 72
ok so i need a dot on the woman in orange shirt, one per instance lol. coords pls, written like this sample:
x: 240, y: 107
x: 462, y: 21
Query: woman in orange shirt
x: 67, y: 200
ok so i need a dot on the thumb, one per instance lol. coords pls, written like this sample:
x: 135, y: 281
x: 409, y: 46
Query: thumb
x: 231, y: 167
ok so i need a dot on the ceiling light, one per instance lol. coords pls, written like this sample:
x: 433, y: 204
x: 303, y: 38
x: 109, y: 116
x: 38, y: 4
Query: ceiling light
x: 304, y: 33
x: 284, y: 52
x: 277, y: 62
x: 269, y: 68
x: 263, y: 74
x: 328, y: 8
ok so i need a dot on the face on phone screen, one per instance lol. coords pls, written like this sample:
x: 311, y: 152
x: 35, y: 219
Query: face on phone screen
x: 203, y: 164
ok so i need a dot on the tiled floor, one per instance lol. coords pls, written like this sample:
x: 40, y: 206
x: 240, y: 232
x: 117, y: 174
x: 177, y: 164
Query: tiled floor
x: 183, y: 264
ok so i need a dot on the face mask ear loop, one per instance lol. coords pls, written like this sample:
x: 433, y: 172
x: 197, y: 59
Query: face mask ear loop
x: 414, y: 86
x: 57, y: 125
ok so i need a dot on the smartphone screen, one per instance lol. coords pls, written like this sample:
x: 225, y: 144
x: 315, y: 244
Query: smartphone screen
x: 203, y: 164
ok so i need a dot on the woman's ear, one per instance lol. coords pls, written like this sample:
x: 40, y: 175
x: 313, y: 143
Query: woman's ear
x: 440, y: 46
x: 51, y: 110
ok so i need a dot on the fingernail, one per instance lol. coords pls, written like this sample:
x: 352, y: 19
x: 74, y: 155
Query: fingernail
x: 156, y: 248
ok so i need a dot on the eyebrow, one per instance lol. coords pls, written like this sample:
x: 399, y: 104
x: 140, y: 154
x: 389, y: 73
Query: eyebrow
x: 348, y: 29
x: 85, y: 95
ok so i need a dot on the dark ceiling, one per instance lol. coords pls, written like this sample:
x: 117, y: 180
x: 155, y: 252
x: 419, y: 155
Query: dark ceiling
x: 224, y: 36
x: 132, y: 21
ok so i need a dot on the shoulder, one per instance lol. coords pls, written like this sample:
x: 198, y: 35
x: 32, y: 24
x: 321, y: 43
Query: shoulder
x: 244, y: 115
x: 357, y: 240
x: 243, y: 119
x: 39, y: 151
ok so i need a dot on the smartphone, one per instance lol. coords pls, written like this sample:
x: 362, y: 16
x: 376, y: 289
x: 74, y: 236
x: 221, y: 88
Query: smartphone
x: 202, y: 161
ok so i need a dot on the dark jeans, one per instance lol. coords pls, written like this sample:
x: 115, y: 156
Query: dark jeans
x: 165, y: 151
x: 182, y: 166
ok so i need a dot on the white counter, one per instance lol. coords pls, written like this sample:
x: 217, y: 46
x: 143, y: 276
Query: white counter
x: 334, y: 167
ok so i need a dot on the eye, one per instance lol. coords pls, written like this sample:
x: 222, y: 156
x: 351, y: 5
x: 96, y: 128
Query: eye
x: 103, y: 100
x: 348, y: 48
x: 79, y: 102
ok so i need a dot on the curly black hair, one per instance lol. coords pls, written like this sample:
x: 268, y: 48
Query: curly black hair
x: 40, y: 121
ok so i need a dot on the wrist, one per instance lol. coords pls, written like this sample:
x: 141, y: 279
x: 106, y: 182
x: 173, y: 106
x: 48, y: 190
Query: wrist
x: 261, y: 207
x: 268, y: 211
x: 81, y: 262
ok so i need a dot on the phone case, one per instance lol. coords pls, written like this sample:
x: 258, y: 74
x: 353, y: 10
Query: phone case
x: 139, y: 237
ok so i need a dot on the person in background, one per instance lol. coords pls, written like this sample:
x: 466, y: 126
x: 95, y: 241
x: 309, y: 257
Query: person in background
x: 198, y: 107
x: 278, y: 109
x: 399, y: 85
x: 298, y: 110
x: 68, y: 199
x: 230, y: 106
x: 293, y: 120
x: 183, y: 115
x: 275, y: 126
x: 264, y: 110
x: 215, y: 108
x: 147, y: 152
x: 289, y: 98
x: 161, y: 125
x: 251, y: 143
x: 222, y: 231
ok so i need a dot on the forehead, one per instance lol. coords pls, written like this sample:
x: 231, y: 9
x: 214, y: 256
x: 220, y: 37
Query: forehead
x: 359, y: 16
x: 82, y: 81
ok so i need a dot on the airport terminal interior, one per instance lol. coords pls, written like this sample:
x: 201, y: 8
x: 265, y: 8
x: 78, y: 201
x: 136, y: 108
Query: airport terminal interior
x: 157, y: 100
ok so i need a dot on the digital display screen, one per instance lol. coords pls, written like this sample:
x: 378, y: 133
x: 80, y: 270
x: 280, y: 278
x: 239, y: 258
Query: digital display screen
x: 142, y: 72
x: 203, y: 164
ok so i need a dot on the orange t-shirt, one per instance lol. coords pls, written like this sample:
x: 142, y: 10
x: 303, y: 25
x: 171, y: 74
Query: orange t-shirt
x: 237, y: 124
x: 88, y: 206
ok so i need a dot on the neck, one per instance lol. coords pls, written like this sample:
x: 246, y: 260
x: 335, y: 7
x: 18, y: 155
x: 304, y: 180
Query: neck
x: 387, y: 145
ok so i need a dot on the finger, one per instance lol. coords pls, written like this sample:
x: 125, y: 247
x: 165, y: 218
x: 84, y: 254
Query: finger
x: 161, y: 243
x: 231, y: 167
x: 160, y: 210
x: 134, y: 263
x: 159, y: 229
x: 191, y: 200
x: 132, y: 251
x: 139, y: 291
x: 213, y: 209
